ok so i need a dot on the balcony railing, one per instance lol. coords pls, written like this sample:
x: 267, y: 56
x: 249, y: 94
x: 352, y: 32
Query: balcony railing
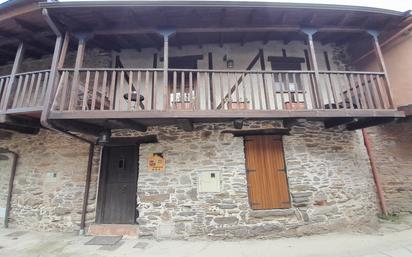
x: 218, y: 90
x: 4, y: 81
x: 28, y: 90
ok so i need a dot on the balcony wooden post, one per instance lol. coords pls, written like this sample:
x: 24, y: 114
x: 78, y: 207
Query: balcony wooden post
x: 77, y: 66
x: 50, y: 94
x: 310, y: 32
x: 16, y: 66
x: 382, y: 65
x: 64, y: 50
x: 166, y: 34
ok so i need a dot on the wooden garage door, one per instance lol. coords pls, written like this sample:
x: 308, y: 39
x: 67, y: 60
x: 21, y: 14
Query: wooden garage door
x: 266, y: 173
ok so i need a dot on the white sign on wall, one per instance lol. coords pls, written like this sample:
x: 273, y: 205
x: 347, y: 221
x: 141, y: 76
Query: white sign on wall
x: 209, y: 181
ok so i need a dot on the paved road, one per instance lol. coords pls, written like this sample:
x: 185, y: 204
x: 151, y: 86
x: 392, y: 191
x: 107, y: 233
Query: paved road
x: 392, y: 240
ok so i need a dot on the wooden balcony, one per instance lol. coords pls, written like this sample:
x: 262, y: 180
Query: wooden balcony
x: 26, y: 94
x: 219, y: 94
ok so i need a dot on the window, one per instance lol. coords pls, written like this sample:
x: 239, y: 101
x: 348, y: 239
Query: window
x: 184, y: 95
x: 266, y: 173
x: 290, y: 82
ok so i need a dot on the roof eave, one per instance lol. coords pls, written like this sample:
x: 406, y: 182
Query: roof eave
x: 349, y: 8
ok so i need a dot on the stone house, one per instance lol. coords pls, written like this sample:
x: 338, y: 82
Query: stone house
x: 195, y: 119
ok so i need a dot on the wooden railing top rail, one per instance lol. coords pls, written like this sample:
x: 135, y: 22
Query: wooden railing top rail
x: 228, y: 71
x: 31, y: 72
x: 353, y: 72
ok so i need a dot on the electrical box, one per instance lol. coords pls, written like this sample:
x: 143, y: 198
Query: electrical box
x: 209, y: 181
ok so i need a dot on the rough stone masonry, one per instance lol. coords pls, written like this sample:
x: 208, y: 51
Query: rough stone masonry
x: 329, y: 177
x: 330, y: 183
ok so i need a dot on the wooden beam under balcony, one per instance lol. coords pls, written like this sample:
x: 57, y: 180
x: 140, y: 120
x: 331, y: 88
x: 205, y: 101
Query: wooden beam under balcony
x: 222, y: 29
x: 222, y: 114
x: 369, y: 122
x: 21, y: 124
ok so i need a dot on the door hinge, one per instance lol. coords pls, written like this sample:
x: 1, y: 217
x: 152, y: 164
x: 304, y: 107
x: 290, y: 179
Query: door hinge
x: 250, y: 170
x: 281, y: 170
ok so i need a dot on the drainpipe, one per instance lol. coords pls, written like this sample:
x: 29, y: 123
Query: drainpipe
x: 375, y: 173
x: 86, y: 190
x: 11, y: 182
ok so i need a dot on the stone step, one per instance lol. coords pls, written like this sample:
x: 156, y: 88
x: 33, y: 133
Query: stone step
x: 113, y: 230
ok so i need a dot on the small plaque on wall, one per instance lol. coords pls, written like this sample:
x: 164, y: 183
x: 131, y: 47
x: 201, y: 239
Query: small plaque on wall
x: 156, y: 162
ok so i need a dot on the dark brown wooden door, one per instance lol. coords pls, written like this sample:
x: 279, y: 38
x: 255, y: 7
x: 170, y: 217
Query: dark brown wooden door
x: 266, y: 173
x: 118, y: 190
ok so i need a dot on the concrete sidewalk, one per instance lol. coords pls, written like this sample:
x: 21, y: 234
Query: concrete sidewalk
x: 393, y: 240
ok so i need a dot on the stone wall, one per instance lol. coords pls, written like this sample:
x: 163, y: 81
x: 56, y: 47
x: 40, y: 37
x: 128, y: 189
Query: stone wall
x: 329, y: 178
x: 49, y: 182
x: 391, y: 147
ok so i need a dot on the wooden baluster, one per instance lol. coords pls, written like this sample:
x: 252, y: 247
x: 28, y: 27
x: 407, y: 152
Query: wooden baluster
x: 86, y: 91
x: 182, y: 90
x: 259, y: 90
x: 103, y: 93
x: 60, y: 76
x: 20, y: 98
x: 17, y: 92
x: 324, y: 79
x: 112, y: 88
x: 119, y: 94
x: 3, y: 91
x: 154, y: 84
x: 288, y: 88
x: 352, y: 89
x: 64, y: 91
x: 313, y: 98
x: 296, y: 88
x: 197, y: 90
x: 146, y: 96
x: 214, y: 92
x: 333, y: 90
x: 368, y: 92
x: 266, y: 91
x: 252, y: 91
x: 129, y: 91
x: 234, y: 77
x: 379, y: 89
x: 357, y: 90
x: 222, y: 94
x: 28, y: 98
x: 335, y: 81
x: 304, y: 86
x: 207, y: 91
x: 33, y: 101
x: 376, y: 99
x: 359, y: 81
x: 266, y: 83
x: 94, y: 94
x: 44, y: 88
x: 229, y: 91
x: 192, y: 106
x: 282, y: 96
x: 243, y: 85
x: 350, y: 92
x: 346, y: 88
x: 138, y: 89
x: 174, y: 98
